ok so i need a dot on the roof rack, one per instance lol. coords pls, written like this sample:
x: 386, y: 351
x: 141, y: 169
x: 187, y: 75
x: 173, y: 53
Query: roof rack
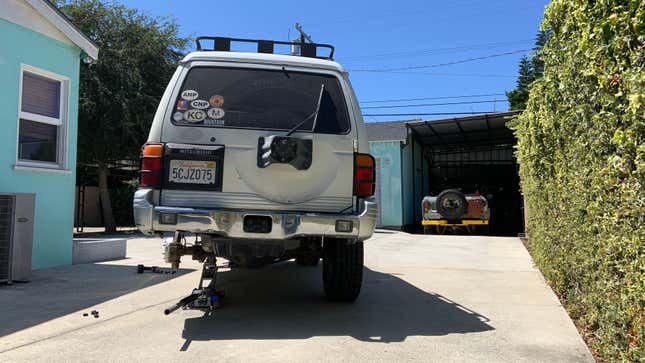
x: 223, y: 44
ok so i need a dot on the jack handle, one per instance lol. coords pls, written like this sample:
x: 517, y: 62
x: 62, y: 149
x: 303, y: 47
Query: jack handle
x: 181, y: 303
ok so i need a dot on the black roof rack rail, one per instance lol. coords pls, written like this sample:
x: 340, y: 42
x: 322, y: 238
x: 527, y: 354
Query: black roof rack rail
x: 223, y: 44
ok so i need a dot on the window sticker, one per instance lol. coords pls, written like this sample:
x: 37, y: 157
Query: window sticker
x: 199, y: 104
x: 183, y: 105
x: 210, y: 122
x: 216, y: 101
x: 189, y: 95
x: 178, y: 116
x: 216, y: 113
x: 194, y: 116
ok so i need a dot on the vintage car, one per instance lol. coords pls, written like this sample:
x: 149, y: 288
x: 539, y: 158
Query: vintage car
x: 453, y: 210
x: 264, y: 158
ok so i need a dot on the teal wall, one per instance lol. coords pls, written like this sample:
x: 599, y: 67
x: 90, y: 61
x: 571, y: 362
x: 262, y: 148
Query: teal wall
x: 54, y: 218
x: 389, y: 181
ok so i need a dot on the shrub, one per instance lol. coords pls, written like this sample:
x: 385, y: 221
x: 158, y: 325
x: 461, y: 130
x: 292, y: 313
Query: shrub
x: 581, y: 150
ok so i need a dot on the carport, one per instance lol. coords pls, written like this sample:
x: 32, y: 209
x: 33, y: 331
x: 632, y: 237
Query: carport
x: 474, y: 154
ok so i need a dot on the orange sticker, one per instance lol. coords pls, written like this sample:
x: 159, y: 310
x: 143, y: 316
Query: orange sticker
x: 216, y: 101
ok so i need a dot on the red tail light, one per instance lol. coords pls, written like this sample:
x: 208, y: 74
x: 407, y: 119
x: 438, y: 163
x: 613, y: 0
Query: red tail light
x: 151, y: 165
x: 364, y: 176
x: 426, y: 206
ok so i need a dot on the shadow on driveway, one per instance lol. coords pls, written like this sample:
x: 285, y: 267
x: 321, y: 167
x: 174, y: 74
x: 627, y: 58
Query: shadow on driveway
x: 285, y: 301
x: 59, y: 291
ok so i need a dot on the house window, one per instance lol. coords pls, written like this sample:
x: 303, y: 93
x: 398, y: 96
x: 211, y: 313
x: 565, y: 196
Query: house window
x: 42, y: 121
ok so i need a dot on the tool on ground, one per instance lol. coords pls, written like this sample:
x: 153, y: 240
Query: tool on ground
x: 154, y: 269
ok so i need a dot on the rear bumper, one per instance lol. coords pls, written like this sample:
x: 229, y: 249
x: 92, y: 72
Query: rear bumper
x: 229, y: 223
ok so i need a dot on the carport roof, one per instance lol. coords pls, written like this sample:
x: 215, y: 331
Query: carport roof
x: 484, y: 129
x: 387, y: 131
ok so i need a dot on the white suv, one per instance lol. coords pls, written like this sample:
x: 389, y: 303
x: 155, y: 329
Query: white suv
x: 264, y: 158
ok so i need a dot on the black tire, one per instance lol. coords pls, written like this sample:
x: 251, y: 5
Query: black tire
x: 307, y: 260
x: 342, y: 269
x: 452, y: 204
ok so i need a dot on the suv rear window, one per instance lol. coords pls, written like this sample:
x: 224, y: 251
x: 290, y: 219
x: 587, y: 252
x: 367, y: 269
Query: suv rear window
x: 260, y: 99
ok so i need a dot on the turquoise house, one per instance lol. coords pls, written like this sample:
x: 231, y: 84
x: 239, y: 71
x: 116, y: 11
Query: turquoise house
x: 40, y: 55
x: 402, y: 172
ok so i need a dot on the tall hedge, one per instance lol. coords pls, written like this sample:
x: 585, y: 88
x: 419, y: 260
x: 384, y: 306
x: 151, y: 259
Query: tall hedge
x: 581, y: 150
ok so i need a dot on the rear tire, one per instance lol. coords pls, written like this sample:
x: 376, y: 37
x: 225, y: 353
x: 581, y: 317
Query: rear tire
x: 452, y: 204
x: 342, y: 269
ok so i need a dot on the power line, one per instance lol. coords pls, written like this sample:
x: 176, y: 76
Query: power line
x: 434, y: 98
x: 426, y: 114
x: 439, y: 64
x: 434, y: 104
x: 351, y: 59
x: 479, y: 75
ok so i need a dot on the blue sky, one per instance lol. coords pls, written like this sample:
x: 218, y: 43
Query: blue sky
x: 389, y: 35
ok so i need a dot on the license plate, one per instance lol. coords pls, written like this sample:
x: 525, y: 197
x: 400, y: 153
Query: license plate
x: 192, y: 172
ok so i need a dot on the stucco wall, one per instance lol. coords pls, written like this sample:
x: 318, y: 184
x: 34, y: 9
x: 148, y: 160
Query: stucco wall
x: 54, y: 191
x: 388, y: 153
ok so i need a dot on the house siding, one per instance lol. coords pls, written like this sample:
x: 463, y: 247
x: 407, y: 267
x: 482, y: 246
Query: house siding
x: 388, y: 153
x: 54, y: 214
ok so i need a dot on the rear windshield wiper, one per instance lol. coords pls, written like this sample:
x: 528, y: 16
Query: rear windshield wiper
x: 322, y: 90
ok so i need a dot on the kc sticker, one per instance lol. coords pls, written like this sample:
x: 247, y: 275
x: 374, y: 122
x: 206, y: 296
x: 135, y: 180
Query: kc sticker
x: 216, y: 101
x: 177, y: 116
x: 194, y: 115
x: 199, y: 104
x: 183, y: 105
x: 216, y: 113
x: 189, y: 95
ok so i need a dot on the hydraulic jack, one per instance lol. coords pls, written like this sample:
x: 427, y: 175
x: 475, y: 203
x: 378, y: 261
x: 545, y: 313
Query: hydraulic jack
x: 201, y: 298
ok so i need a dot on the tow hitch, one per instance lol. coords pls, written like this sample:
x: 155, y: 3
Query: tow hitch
x: 201, y: 298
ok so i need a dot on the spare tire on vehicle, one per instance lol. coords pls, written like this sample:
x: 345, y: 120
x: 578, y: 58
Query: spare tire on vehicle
x: 451, y: 204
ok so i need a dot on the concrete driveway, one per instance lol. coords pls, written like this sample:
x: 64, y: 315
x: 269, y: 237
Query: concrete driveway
x: 424, y: 298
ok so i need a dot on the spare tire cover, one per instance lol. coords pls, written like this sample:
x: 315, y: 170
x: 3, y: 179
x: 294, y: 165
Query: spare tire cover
x: 452, y: 204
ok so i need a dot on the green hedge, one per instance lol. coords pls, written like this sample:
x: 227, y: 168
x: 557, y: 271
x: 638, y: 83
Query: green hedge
x: 581, y: 150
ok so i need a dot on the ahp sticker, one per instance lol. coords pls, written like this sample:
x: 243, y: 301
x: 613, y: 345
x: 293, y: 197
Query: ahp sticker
x: 194, y: 115
x: 183, y: 105
x: 178, y: 116
x: 216, y: 113
x: 216, y: 101
x: 189, y: 95
x: 199, y: 104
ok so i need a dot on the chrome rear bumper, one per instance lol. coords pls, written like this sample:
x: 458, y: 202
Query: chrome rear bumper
x: 229, y: 223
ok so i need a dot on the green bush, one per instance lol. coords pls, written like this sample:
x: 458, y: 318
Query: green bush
x: 581, y: 150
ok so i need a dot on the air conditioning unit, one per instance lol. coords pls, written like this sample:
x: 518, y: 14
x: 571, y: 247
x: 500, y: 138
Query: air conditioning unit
x: 16, y: 236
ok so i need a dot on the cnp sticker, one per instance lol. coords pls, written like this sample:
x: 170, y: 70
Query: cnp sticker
x: 189, y: 95
x: 199, y: 104
x: 194, y: 115
x: 183, y: 105
x: 177, y: 116
x: 216, y: 101
x: 216, y: 113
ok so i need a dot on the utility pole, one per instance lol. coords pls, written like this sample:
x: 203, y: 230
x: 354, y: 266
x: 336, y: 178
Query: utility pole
x: 303, y: 35
x: 295, y: 49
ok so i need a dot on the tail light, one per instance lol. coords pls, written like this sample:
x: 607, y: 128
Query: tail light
x: 151, y: 165
x: 426, y: 206
x: 364, y: 176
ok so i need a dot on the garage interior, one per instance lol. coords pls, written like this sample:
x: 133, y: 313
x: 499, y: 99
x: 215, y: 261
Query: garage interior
x: 473, y: 154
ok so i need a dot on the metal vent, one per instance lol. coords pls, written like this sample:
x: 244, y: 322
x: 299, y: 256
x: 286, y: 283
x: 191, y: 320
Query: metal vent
x: 6, y: 222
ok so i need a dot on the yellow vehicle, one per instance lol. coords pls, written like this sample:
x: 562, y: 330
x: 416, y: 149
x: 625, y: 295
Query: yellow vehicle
x: 454, y: 210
